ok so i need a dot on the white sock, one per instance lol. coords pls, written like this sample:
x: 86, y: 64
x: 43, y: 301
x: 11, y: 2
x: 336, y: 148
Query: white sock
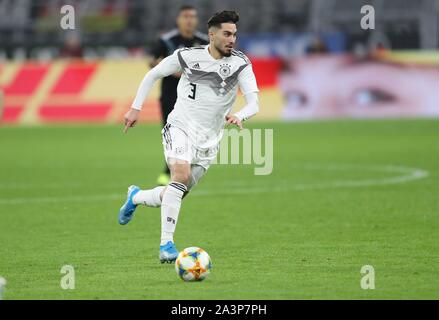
x: 171, y: 204
x: 150, y: 198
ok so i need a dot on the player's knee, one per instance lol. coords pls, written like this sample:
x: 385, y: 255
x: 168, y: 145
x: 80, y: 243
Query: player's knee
x: 182, y: 176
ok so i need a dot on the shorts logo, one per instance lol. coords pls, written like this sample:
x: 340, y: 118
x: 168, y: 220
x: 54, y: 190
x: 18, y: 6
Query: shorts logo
x: 179, y: 150
x: 225, y: 70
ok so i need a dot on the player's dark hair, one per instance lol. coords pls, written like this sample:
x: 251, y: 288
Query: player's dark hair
x: 186, y: 7
x: 222, y: 17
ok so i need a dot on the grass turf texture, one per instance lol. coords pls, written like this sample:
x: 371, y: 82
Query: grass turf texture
x: 297, y: 233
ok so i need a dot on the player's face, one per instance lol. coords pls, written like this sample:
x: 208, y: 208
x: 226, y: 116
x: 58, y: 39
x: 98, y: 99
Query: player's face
x: 187, y: 21
x: 224, y: 38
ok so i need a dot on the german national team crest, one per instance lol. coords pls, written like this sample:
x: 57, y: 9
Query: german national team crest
x: 225, y: 70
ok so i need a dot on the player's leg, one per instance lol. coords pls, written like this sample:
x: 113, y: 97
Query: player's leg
x: 178, y: 154
x: 150, y: 198
x: 166, y: 106
x: 135, y: 196
x: 171, y: 204
x: 126, y: 212
x: 172, y: 197
x: 200, y: 164
x: 197, y: 172
x: 153, y: 197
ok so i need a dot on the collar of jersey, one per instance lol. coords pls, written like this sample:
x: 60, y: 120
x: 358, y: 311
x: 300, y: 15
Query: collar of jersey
x: 208, y: 53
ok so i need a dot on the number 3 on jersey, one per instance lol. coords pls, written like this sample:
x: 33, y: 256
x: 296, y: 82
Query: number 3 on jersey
x: 193, y: 91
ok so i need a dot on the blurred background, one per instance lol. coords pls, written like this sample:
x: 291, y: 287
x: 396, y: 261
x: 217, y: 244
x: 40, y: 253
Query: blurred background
x: 312, y: 59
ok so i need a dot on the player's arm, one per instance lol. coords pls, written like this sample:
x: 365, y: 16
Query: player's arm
x: 166, y: 67
x: 160, y: 51
x: 249, y: 88
x: 155, y: 61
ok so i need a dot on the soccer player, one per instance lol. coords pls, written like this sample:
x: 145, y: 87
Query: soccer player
x: 185, y: 35
x: 206, y: 92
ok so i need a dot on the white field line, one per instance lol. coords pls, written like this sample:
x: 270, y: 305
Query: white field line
x: 405, y: 174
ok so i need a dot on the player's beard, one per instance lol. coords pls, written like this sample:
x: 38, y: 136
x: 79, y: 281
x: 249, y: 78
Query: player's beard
x: 223, y: 52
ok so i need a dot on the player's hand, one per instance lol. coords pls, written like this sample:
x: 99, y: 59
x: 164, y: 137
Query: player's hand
x: 131, y: 118
x: 234, y: 120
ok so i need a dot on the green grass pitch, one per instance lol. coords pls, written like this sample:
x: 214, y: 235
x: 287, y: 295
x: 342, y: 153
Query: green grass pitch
x: 342, y: 194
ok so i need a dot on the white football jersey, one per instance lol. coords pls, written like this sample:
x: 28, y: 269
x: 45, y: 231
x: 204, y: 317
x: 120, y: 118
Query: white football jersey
x: 206, y: 91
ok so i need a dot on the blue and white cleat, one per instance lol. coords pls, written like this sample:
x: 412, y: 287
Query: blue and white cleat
x: 127, y: 210
x: 168, y: 253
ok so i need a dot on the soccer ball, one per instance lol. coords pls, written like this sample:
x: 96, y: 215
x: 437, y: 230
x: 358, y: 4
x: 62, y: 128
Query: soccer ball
x: 193, y: 264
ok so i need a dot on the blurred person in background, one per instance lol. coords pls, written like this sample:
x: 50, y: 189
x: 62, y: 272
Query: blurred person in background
x: 185, y: 35
x: 317, y: 46
x: 72, y: 46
